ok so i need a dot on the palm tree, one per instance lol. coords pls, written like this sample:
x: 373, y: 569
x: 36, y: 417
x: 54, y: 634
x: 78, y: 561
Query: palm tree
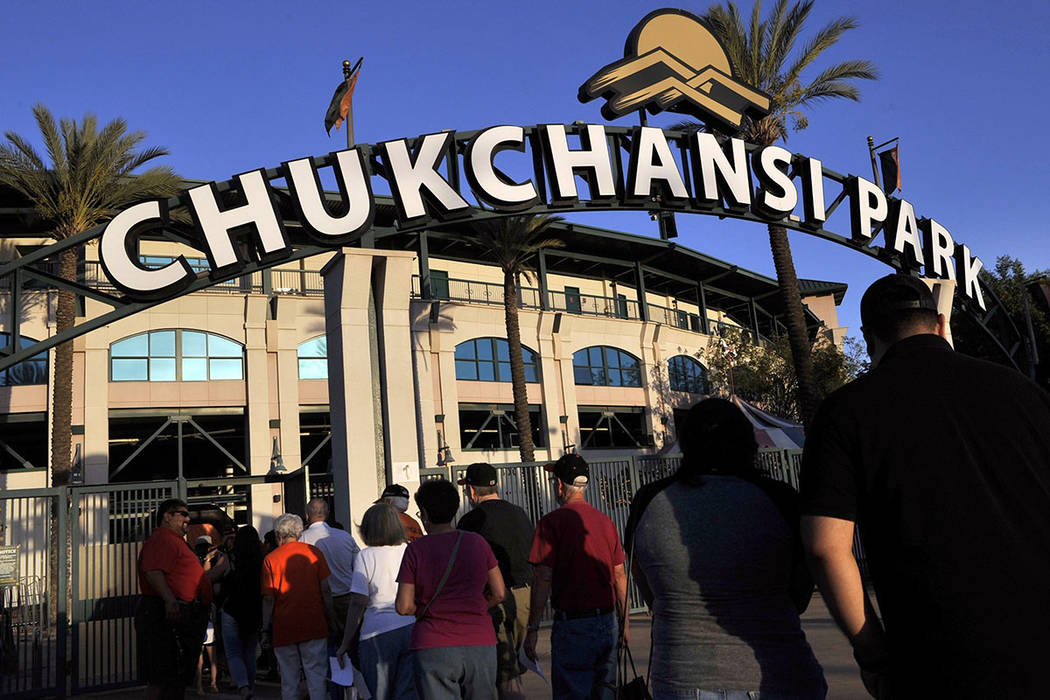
x: 763, y: 54
x: 88, y: 180
x: 512, y: 242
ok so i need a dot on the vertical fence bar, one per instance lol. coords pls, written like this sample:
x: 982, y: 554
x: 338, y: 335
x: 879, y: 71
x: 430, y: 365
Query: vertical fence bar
x: 63, y: 591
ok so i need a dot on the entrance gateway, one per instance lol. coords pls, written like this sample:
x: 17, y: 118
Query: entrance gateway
x: 253, y: 222
x: 672, y: 61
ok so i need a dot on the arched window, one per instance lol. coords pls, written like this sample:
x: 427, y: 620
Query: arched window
x: 488, y: 360
x: 313, y: 358
x: 601, y: 365
x: 176, y: 355
x: 686, y: 374
x: 26, y: 372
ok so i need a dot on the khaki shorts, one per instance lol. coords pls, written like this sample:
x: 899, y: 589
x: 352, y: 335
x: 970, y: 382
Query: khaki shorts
x: 510, y: 618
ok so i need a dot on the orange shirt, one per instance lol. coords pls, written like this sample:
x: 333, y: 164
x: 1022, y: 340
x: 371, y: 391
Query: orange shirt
x: 166, y: 552
x: 412, y: 530
x: 292, y: 575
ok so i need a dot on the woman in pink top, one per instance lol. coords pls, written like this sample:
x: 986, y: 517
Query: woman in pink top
x: 453, y: 638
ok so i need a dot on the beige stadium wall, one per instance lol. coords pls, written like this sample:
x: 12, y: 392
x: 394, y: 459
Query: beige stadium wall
x: 420, y: 364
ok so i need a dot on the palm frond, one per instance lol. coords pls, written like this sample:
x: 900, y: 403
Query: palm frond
x: 91, y: 174
x: 821, y: 42
x: 766, y: 53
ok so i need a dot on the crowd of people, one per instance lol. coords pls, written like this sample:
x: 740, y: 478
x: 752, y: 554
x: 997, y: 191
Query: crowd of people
x: 943, y: 461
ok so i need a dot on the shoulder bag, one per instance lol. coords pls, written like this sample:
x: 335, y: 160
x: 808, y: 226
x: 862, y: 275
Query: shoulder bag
x: 444, y: 576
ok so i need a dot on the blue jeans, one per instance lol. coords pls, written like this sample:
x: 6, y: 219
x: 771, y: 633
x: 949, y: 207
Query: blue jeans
x: 583, y: 658
x: 240, y: 652
x: 454, y: 673
x: 386, y: 664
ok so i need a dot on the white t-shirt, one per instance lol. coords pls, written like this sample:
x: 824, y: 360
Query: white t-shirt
x: 375, y: 576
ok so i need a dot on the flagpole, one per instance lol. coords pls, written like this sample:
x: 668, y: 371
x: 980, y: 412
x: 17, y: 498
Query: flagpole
x: 874, y: 165
x: 350, y: 112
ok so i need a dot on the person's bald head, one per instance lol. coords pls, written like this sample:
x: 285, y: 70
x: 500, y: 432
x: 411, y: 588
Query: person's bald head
x: 317, y: 510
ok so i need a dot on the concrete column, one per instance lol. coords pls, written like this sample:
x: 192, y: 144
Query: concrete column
x: 95, y: 439
x: 281, y: 339
x: 550, y: 381
x: 392, y: 275
x: 446, y: 368
x: 348, y: 285
x: 563, y: 354
x: 425, y: 386
x: 257, y: 385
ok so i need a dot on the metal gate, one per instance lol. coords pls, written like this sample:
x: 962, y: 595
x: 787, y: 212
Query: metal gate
x: 33, y: 548
x: 109, y: 524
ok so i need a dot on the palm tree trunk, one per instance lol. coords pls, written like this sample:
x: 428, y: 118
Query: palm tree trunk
x: 62, y: 394
x: 795, y: 320
x: 517, y: 368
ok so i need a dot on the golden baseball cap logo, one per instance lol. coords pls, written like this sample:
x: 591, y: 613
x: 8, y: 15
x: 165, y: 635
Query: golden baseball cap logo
x: 673, y: 62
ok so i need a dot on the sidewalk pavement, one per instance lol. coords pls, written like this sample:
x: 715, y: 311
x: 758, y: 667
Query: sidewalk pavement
x: 828, y: 644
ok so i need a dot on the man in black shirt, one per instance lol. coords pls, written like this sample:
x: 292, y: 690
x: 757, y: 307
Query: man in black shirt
x: 943, y: 461
x: 508, y: 530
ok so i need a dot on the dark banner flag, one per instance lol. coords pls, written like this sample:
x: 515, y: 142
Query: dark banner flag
x: 891, y: 169
x: 341, y: 100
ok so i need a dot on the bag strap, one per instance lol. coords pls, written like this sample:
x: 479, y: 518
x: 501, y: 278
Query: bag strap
x: 625, y: 648
x: 444, y: 576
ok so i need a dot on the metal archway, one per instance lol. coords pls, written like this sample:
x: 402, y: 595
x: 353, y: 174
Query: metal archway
x: 995, y: 322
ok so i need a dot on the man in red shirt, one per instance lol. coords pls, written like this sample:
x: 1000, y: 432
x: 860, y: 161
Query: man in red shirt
x: 297, y: 601
x: 578, y: 560
x: 173, y: 613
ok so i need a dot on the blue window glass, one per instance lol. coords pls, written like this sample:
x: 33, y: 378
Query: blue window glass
x: 686, y: 374
x: 194, y: 344
x: 130, y: 370
x: 162, y: 344
x: 311, y: 368
x: 602, y: 365
x: 194, y: 369
x: 176, y: 355
x: 313, y: 358
x: 223, y: 347
x: 224, y: 369
x: 162, y: 369
x: 137, y: 346
x: 488, y: 360
x: 26, y: 372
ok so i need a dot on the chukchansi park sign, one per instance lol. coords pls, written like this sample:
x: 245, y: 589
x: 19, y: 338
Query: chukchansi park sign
x: 724, y: 177
x: 672, y: 61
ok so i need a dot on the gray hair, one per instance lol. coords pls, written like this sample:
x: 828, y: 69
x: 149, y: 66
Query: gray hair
x: 317, y: 509
x: 288, y: 527
x: 572, y: 489
x: 381, y: 526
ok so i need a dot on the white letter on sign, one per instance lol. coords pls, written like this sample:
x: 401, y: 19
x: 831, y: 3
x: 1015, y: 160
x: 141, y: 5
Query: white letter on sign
x: 124, y: 271
x: 216, y: 225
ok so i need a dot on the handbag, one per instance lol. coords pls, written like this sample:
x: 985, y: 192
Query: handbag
x: 444, y: 577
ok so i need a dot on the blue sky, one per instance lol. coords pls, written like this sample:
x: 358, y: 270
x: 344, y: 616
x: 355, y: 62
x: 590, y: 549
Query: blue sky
x: 234, y: 86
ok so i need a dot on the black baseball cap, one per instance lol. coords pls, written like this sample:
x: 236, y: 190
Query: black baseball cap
x: 890, y: 295
x: 395, y: 491
x: 479, y: 474
x: 571, y: 469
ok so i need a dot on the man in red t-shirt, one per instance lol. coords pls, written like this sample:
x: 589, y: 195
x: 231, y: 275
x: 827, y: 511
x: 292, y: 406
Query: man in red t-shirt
x: 297, y: 601
x: 578, y: 560
x: 173, y: 612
